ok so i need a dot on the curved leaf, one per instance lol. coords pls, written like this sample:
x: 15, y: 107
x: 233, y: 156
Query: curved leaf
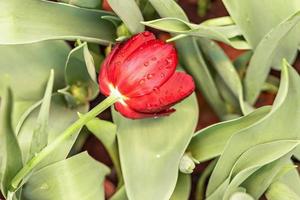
x: 106, y: 132
x: 272, y: 127
x: 154, y: 146
x: 84, y: 3
x: 260, y: 64
x: 38, y: 59
x: 211, y: 141
x: 226, y: 34
x: 60, y: 117
x: 79, y: 177
x: 183, y: 187
x: 30, y: 21
x: 130, y: 14
x: 80, y: 76
x: 10, y: 153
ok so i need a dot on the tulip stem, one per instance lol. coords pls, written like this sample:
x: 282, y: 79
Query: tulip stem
x: 69, y: 132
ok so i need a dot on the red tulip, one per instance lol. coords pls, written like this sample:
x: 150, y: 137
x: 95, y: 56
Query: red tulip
x: 142, y: 72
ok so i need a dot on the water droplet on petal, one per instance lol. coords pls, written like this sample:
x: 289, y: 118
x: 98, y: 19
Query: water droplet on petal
x: 149, y: 76
x: 146, y: 64
x: 162, y: 75
x: 141, y: 82
x: 154, y: 58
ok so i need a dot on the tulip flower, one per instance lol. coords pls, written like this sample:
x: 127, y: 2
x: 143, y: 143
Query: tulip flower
x: 142, y: 72
x: 139, y: 77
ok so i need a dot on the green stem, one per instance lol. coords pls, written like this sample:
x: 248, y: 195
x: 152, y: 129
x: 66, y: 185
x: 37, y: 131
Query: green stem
x: 31, y: 164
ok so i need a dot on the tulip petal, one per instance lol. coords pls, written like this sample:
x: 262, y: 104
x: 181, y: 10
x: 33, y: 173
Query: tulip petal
x: 116, y: 65
x: 148, y: 67
x: 103, y: 78
x: 126, y: 111
x: 178, y: 87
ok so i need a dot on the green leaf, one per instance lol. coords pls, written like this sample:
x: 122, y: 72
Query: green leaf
x: 248, y: 16
x: 280, y: 191
x: 84, y: 3
x: 181, y: 192
x: 260, y: 63
x: 211, y: 141
x: 80, y: 76
x: 183, y: 187
x: 226, y: 34
x: 249, y: 162
x: 40, y: 133
x: 130, y: 14
x: 268, y: 129
x: 10, y: 153
x: 106, y: 132
x: 79, y: 177
x: 191, y: 57
x: 38, y: 59
x: 202, y: 182
x: 226, y: 70
x: 155, y: 146
x: 32, y: 21
x: 60, y: 117
x: 241, y: 196
x: 259, y: 181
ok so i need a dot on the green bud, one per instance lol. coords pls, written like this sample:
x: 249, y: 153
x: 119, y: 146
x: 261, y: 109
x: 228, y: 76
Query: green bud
x: 80, y: 93
x: 123, y: 32
x: 187, y: 164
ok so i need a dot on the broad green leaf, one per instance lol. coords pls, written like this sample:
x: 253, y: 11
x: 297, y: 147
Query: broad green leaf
x: 260, y: 64
x: 191, y: 57
x: 211, y: 141
x: 249, y: 162
x: 30, y: 21
x: 268, y: 129
x: 60, y: 117
x: 241, y: 196
x: 40, y: 133
x: 280, y: 191
x: 226, y: 34
x: 248, y: 16
x: 183, y: 187
x: 290, y: 176
x: 38, y: 59
x: 154, y: 146
x: 10, y: 153
x: 78, y: 177
x: 181, y: 192
x: 259, y: 181
x: 106, y: 132
x: 130, y: 14
x: 84, y: 3
x: 80, y: 76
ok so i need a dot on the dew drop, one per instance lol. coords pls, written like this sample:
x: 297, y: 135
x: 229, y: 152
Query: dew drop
x: 154, y: 59
x: 146, y: 64
x: 149, y: 76
x: 162, y: 75
x: 141, y: 82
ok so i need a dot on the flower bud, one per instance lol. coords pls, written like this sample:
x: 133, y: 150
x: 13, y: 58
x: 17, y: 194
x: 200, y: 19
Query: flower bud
x: 187, y: 164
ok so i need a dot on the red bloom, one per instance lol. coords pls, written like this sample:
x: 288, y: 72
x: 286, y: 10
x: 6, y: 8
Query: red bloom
x: 142, y: 70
